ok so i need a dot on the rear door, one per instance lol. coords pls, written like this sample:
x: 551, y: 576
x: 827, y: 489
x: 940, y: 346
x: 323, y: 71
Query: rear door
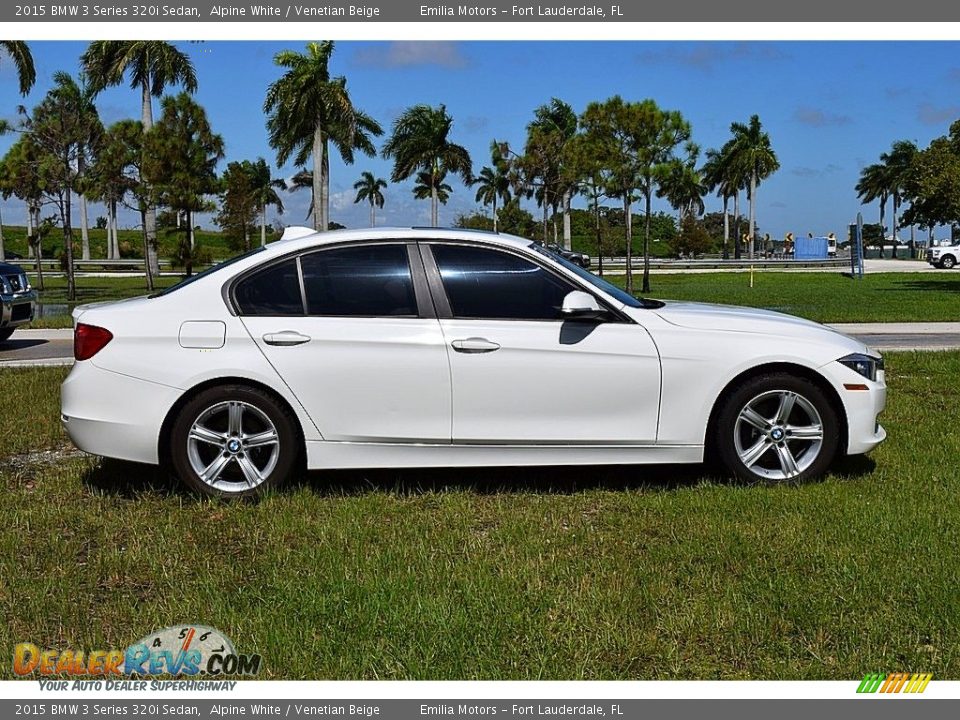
x: 351, y: 331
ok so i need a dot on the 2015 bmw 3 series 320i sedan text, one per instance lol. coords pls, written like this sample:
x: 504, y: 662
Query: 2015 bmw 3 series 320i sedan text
x: 429, y: 347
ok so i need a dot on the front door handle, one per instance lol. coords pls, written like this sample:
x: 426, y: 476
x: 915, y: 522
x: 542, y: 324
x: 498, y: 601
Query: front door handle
x: 285, y: 338
x: 475, y: 345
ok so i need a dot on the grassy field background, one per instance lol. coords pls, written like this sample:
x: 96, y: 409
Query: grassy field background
x: 553, y: 573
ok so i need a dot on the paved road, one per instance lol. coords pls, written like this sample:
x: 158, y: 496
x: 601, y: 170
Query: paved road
x: 32, y: 348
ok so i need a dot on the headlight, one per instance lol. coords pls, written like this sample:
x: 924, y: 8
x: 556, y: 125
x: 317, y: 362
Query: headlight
x: 865, y: 365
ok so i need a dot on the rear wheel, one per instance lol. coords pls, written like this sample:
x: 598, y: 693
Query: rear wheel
x: 233, y: 441
x: 777, y: 428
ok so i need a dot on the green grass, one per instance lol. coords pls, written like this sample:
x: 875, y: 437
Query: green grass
x: 824, y: 297
x: 504, y: 574
x: 89, y: 289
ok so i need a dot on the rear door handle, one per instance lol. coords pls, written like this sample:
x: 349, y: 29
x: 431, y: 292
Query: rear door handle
x: 475, y: 345
x: 285, y: 338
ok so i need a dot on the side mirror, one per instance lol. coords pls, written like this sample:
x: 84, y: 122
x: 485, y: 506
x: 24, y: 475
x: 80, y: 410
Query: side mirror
x: 579, y: 305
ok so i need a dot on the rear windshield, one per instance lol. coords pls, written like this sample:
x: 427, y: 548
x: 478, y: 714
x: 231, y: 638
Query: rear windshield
x: 209, y: 271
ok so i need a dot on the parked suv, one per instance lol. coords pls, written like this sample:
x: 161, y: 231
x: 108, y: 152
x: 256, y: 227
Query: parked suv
x: 17, y: 299
x: 944, y: 256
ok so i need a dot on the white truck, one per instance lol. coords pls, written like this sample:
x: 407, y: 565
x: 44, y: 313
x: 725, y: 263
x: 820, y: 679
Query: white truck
x: 944, y: 256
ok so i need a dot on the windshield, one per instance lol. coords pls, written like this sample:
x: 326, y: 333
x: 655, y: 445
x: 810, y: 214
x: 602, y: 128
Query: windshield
x: 209, y: 271
x: 597, y: 282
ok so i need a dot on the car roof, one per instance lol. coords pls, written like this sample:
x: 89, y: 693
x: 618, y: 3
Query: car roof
x: 299, y: 238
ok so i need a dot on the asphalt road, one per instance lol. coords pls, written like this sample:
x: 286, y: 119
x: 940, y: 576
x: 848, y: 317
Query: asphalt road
x: 55, y: 347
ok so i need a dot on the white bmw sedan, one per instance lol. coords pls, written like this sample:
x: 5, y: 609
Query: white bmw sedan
x: 428, y: 347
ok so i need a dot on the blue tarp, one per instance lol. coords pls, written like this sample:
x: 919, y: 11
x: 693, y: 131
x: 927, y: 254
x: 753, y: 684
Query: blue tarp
x: 810, y: 248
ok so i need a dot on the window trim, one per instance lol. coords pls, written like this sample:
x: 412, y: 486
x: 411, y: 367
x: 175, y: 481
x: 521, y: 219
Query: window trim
x: 422, y: 295
x: 445, y: 308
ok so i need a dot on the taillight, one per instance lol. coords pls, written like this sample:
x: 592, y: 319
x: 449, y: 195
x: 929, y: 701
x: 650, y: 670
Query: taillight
x: 88, y: 340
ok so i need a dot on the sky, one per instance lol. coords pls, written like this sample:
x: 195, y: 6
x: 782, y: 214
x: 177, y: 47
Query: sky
x: 830, y: 108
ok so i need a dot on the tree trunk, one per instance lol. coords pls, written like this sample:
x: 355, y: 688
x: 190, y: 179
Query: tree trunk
x: 753, y: 210
x: 84, y: 223
x: 566, y: 219
x: 246, y: 238
x: 189, y: 219
x: 546, y: 223
x: 325, y: 186
x: 263, y: 224
x: 3, y: 255
x: 736, y: 225
x: 495, y: 212
x: 147, y: 271
x: 629, y: 239
x: 29, y: 229
x: 434, y: 201
x: 319, y: 222
x: 596, y: 214
x: 913, y: 241
x: 896, y: 207
x: 68, y: 244
x: 646, y: 246
x: 883, y: 230
x: 726, y: 227
x: 150, y: 218
x: 34, y: 213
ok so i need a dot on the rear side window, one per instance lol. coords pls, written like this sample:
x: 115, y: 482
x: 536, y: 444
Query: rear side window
x: 483, y: 283
x: 365, y: 281
x: 275, y: 290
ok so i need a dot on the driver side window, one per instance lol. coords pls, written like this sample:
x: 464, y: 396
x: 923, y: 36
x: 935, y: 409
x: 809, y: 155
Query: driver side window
x: 492, y: 284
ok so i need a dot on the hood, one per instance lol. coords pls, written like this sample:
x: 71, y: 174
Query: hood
x: 10, y: 269
x: 706, y: 316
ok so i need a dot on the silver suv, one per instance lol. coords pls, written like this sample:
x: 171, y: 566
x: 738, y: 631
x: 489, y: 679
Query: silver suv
x: 17, y: 299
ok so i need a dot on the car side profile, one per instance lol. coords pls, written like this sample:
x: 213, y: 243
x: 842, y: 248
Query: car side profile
x: 430, y: 347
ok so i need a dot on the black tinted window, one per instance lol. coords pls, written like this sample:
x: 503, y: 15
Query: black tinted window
x: 368, y: 280
x: 272, y: 291
x: 485, y: 283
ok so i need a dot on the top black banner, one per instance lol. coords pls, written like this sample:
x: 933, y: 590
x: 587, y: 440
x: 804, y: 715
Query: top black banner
x: 486, y: 11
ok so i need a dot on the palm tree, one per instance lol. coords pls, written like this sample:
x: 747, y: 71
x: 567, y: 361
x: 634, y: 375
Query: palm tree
x: 152, y: 66
x: 754, y: 154
x: 898, y: 164
x: 264, y: 187
x: 432, y: 186
x: 556, y: 123
x: 493, y: 183
x: 723, y: 175
x: 85, y: 152
x: 369, y: 188
x: 684, y: 186
x: 420, y: 142
x: 875, y: 185
x: 19, y: 52
x: 306, y: 110
x: 303, y: 180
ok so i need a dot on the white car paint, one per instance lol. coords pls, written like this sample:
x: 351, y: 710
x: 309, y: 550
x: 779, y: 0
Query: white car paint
x: 391, y: 392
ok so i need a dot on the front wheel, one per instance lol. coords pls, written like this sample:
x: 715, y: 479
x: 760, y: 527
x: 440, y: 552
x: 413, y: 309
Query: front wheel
x: 777, y: 428
x: 948, y: 262
x: 233, y: 441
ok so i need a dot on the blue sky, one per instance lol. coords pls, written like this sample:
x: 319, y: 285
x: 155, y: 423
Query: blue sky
x: 830, y: 108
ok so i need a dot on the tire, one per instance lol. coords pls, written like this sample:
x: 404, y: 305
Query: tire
x: 947, y: 262
x: 6, y: 333
x: 208, y: 440
x: 757, y: 443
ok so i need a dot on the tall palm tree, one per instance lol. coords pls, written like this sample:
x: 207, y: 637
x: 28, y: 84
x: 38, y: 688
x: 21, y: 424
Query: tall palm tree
x: 754, y: 154
x: 875, y: 185
x: 85, y: 153
x: 264, y: 187
x: 420, y: 142
x: 307, y: 109
x: 558, y: 122
x: 370, y: 188
x: 152, y: 66
x: 723, y: 175
x: 898, y: 164
x: 493, y: 184
x: 22, y: 58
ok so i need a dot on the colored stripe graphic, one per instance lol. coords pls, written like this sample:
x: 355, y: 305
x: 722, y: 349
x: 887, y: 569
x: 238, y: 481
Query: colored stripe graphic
x: 894, y: 683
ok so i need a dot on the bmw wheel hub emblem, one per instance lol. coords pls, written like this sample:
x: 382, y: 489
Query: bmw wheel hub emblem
x: 233, y: 446
x: 776, y: 434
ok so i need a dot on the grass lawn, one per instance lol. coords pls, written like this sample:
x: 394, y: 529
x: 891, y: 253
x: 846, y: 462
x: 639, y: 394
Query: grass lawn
x: 824, y: 297
x: 589, y: 573
x: 53, y: 297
